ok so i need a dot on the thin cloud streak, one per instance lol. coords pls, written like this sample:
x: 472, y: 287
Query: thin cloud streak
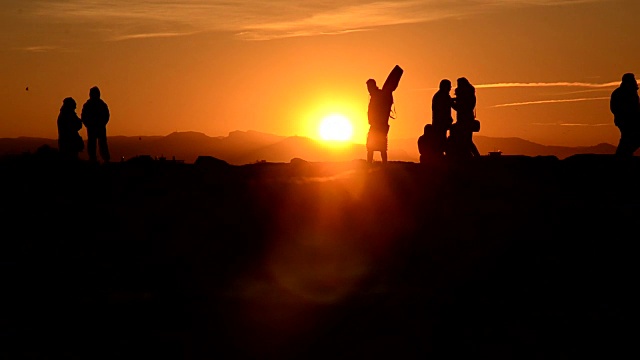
x: 580, y: 92
x: 259, y: 20
x: 591, y: 86
x: 149, y: 35
x: 39, y: 49
x: 571, y: 124
x: 549, y: 102
x: 550, y: 84
x: 253, y: 36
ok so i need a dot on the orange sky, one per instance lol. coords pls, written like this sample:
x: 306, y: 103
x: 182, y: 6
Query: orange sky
x: 280, y: 66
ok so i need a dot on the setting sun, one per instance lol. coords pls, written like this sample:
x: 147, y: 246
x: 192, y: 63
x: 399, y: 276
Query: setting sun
x: 336, y: 128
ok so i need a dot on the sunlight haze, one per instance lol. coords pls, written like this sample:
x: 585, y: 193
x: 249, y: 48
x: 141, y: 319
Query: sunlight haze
x: 543, y: 69
x: 336, y: 127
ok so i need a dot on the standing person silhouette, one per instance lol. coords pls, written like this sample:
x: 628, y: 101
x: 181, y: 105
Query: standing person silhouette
x: 378, y: 113
x: 625, y: 106
x: 70, y: 142
x: 464, y: 103
x: 95, y: 116
x: 441, y: 115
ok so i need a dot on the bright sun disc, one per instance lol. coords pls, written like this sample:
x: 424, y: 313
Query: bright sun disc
x: 336, y: 128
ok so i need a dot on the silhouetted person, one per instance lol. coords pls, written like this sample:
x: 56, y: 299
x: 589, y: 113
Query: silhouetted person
x: 379, y: 110
x: 70, y: 142
x: 95, y: 116
x: 625, y: 107
x: 441, y: 115
x: 460, y: 142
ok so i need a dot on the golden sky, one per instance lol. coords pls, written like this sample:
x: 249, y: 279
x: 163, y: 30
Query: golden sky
x: 543, y: 69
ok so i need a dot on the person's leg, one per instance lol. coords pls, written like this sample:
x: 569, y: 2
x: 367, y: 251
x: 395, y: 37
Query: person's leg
x: 463, y: 145
x: 370, y: 145
x: 62, y: 149
x: 104, y: 148
x: 624, y: 148
x: 635, y: 144
x: 91, y: 145
x: 441, y: 142
x: 450, y: 145
x: 468, y: 145
x: 383, y: 153
x: 474, y: 148
x: 456, y: 144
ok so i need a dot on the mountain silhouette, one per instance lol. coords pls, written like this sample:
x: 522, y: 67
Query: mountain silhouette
x: 312, y: 150
x: 516, y: 146
x: 245, y: 147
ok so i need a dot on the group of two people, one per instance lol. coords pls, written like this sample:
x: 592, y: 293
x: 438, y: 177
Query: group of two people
x: 443, y: 136
x: 94, y: 116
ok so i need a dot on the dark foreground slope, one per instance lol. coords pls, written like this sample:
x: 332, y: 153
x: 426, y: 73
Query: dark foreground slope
x: 508, y: 257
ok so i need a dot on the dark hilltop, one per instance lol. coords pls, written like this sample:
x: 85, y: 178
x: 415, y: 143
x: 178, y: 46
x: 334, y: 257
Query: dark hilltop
x: 497, y: 257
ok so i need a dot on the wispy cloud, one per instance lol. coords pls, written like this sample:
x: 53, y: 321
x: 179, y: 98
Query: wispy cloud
x: 572, y: 124
x: 567, y: 84
x: 148, y: 35
x: 263, y: 20
x: 549, y: 101
x: 40, y: 49
x: 581, y: 91
x: 549, y: 84
x: 558, y: 84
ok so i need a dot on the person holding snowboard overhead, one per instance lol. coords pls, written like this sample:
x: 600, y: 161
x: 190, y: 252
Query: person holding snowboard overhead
x: 379, y: 112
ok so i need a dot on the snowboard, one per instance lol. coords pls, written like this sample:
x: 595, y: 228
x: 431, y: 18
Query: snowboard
x: 393, y: 79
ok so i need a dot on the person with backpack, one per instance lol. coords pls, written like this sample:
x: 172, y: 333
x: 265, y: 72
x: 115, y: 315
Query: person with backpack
x: 378, y: 114
x: 625, y: 106
x: 95, y: 116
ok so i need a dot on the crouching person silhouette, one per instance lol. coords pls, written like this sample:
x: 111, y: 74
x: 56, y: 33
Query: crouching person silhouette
x: 429, y: 145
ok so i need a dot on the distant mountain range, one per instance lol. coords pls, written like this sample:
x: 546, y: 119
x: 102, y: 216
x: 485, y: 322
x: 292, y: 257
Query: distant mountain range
x: 244, y: 147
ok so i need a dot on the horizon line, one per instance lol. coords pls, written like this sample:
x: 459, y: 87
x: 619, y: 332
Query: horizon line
x: 399, y: 139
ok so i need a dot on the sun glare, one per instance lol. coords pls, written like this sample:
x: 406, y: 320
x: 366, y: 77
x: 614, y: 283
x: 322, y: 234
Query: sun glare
x: 336, y: 128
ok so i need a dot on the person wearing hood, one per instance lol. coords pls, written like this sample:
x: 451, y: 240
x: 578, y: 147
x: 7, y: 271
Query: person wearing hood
x: 70, y: 143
